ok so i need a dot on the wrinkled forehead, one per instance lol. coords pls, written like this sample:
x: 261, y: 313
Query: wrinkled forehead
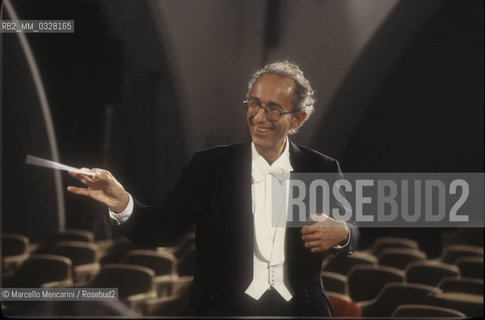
x: 271, y: 85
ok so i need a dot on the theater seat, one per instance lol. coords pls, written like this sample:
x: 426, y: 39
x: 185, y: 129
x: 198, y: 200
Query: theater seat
x: 415, y: 311
x: 392, y: 242
x: 461, y: 285
x: 365, y: 281
x: 343, y: 306
x: 452, y: 252
x: 430, y: 272
x: 400, y: 257
x: 115, y: 251
x: 186, y: 262
x: 15, y: 250
x: 182, y: 285
x: 64, y: 235
x: 174, y: 305
x: 342, y: 266
x: 470, y: 267
x: 73, y: 235
x: 470, y: 304
x: 83, y: 256
x: 393, y: 295
x: 135, y: 283
x: 162, y: 263
x: 335, y: 282
x: 41, y: 271
x: 14, y: 244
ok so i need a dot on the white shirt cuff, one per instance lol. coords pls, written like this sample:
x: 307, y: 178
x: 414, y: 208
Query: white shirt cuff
x: 119, y: 218
x: 348, y: 240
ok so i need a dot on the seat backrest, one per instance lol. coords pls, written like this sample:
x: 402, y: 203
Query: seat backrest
x: 416, y: 310
x: 64, y: 235
x: 343, y: 306
x: 429, y: 272
x: 463, y: 285
x: 335, y: 282
x: 116, y: 251
x: 182, y: 285
x: 40, y: 269
x: 79, y: 252
x: 470, y: 304
x: 186, y: 262
x: 365, y: 281
x: 160, y: 262
x: 342, y: 266
x: 14, y: 244
x: 73, y: 235
x: 392, y: 242
x: 452, y: 252
x: 400, y: 257
x: 129, y: 279
x: 470, y: 267
x: 394, y: 294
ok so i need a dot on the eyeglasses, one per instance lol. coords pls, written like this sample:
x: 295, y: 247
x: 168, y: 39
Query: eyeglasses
x: 272, y: 112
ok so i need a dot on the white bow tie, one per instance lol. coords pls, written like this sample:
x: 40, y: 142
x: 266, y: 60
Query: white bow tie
x: 279, y: 172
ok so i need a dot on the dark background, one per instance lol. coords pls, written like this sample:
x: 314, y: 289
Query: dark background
x: 141, y: 85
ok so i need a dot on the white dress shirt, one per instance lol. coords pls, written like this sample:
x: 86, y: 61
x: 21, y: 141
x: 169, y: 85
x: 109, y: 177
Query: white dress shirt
x: 269, y: 199
x: 119, y: 218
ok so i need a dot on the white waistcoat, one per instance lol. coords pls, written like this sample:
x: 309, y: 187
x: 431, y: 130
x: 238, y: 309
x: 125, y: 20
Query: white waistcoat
x: 269, y: 197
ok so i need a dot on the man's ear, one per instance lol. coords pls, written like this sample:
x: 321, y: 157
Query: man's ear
x: 298, y: 119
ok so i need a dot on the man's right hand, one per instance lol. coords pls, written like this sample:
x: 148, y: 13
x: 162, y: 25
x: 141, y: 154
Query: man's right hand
x: 102, y: 187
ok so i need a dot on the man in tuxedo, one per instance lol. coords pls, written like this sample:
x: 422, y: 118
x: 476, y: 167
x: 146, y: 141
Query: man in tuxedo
x: 245, y: 264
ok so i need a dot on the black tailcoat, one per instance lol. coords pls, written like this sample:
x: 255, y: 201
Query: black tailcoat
x: 214, y: 192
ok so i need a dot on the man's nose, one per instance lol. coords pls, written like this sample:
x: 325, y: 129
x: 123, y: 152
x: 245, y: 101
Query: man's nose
x: 260, y: 115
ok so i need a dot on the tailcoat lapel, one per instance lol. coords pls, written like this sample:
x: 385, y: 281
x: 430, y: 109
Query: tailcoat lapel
x: 238, y: 222
x: 295, y: 251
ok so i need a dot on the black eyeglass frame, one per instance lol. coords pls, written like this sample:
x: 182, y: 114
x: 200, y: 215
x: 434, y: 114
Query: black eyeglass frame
x: 281, y: 113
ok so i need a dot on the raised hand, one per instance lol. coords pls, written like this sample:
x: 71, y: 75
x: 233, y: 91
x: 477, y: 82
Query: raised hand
x: 324, y: 234
x: 102, y: 187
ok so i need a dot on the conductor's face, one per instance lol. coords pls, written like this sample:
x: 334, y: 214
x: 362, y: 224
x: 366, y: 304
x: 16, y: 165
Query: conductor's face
x: 271, y: 113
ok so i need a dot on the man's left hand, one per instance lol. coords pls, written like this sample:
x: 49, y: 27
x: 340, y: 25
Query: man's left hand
x: 325, y: 234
